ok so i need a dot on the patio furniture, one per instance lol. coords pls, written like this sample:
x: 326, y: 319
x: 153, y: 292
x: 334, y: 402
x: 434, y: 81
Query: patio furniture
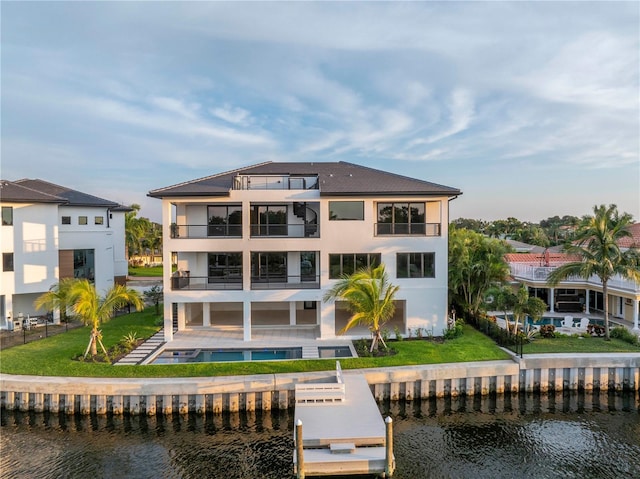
x: 583, y: 324
x: 567, y: 322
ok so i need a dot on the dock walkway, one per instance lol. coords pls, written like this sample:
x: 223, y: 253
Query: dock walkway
x: 342, y: 430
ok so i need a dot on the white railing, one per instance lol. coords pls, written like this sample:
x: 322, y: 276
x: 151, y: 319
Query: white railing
x: 541, y: 273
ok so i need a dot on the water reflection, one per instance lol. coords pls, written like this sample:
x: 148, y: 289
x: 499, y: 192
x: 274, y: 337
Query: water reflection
x: 520, y: 436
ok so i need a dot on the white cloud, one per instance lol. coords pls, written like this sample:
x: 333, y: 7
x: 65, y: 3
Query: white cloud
x: 230, y: 114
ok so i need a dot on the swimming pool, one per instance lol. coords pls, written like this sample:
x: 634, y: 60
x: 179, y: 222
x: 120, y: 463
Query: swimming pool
x: 225, y: 355
x: 175, y: 356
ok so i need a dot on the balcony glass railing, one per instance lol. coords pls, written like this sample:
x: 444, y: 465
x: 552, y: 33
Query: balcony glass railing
x: 206, y: 231
x: 412, y: 229
x: 184, y: 281
x: 286, y: 230
x: 286, y: 282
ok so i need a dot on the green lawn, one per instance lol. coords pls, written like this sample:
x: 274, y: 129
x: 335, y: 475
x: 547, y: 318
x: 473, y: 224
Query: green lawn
x: 155, y: 271
x: 578, y: 344
x: 53, y: 356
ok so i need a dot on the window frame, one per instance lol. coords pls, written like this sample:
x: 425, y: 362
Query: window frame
x: 225, y: 227
x: 9, y: 221
x: 98, y: 220
x: 65, y: 220
x: 401, y: 208
x: 83, y: 220
x: 8, y: 265
x: 360, y: 216
x: 373, y: 259
x: 426, y: 269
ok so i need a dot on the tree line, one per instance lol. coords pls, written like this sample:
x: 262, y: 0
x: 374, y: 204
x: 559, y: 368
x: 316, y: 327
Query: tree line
x: 143, y: 237
x: 478, y: 270
x: 552, y: 231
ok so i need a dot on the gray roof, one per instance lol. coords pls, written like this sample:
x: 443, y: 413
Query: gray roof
x: 12, y: 192
x: 70, y: 197
x: 334, y: 179
x: 39, y: 191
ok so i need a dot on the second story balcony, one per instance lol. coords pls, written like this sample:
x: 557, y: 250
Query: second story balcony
x: 407, y: 229
x: 541, y: 274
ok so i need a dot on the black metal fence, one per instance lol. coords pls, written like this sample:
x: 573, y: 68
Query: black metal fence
x: 501, y: 336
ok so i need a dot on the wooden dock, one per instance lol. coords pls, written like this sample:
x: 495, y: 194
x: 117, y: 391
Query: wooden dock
x: 342, y: 430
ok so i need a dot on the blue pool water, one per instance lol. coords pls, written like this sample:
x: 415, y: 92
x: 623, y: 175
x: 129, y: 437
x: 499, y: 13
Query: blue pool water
x: 224, y: 355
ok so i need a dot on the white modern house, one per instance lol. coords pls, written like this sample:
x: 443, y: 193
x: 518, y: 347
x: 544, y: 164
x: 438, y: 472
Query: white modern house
x: 50, y: 232
x: 579, y: 295
x: 258, y: 247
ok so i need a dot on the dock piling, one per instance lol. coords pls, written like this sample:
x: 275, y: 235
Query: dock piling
x: 299, y: 451
x: 389, y: 463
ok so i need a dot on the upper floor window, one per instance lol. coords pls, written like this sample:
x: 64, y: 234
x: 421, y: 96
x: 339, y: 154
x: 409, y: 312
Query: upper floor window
x: 346, y: 210
x: 401, y: 219
x: 7, y: 262
x: 99, y: 220
x: 269, y: 220
x: 66, y: 220
x: 224, y: 220
x: 82, y: 220
x: 345, y: 264
x: 7, y: 215
x: 225, y: 267
x: 416, y: 265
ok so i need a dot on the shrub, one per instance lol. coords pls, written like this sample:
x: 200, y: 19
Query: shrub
x: 625, y: 335
x: 455, y: 331
x: 596, y: 329
x: 396, y: 331
x: 548, y: 331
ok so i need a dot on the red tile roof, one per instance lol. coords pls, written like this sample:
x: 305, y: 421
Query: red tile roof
x: 631, y: 241
x: 533, y: 259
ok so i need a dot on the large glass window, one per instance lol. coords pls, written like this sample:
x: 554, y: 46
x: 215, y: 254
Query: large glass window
x: 7, y: 262
x: 308, y: 266
x: 225, y: 267
x: 269, y: 266
x: 346, y: 210
x: 346, y: 264
x: 224, y: 220
x: 401, y: 219
x: 84, y: 264
x: 416, y: 265
x: 269, y: 220
x: 7, y: 215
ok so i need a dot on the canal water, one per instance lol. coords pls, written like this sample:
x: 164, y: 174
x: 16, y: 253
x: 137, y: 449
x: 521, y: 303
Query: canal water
x: 513, y: 436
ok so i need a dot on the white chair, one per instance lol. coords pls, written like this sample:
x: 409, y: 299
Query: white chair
x: 567, y: 322
x: 584, y: 322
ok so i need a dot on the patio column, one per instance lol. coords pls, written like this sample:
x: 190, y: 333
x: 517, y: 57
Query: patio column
x: 292, y: 313
x: 168, y: 322
x: 551, y: 301
x: 206, y: 315
x: 246, y: 320
x: 636, y: 313
x: 586, y: 305
x: 182, y: 318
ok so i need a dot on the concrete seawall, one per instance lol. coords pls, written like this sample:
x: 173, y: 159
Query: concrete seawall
x: 150, y: 396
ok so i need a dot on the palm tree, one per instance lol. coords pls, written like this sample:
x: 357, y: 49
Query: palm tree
x: 369, y: 297
x: 56, y: 298
x: 94, y: 310
x: 525, y: 305
x: 596, y: 242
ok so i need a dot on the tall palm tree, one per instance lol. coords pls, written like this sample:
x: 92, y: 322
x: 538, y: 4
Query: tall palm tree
x: 596, y: 242
x: 56, y: 298
x: 369, y: 297
x: 94, y: 310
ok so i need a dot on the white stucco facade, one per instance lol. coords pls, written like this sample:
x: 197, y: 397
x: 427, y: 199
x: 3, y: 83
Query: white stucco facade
x: 294, y: 300
x: 41, y: 234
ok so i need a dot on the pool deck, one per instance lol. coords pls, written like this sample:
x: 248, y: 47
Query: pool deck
x: 576, y: 317
x: 231, y: 338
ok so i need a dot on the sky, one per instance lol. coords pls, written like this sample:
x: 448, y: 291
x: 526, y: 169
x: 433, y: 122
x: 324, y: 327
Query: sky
x: 531, y: 109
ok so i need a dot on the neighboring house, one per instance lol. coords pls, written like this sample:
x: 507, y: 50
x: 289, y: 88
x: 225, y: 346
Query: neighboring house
x: 259, y: 247
x: 578, y: 294
x: 50, y: 232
